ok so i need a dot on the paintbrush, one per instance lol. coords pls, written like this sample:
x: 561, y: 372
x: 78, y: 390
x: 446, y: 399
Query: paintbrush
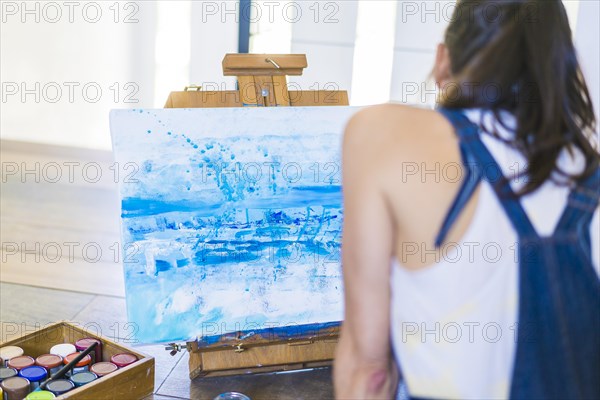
x: 61, y: 372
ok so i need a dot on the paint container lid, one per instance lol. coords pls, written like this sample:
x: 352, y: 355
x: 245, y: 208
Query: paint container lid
x: 123, y: 359
x: 49, y: 361
x: 34, y: 374
x: 103, y: 368
x: 40, y: 395
x: 81, y: 378
x: 84, y: 361
x: 9, y: 352
x: 84, y: 343
x: 15, y: 386
x: 232, y: 396
x: 21, y: 362
x: 6, y: 373
x: 63, y: 349
x: 59, y: 386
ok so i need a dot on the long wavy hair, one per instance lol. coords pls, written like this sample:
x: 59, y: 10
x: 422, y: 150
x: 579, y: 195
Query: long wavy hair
x: 518, y: 56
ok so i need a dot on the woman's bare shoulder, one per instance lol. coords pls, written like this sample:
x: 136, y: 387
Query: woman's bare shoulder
x: 400, y: 128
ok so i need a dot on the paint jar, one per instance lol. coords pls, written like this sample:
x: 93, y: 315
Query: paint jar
x: 83, y: 344
x: 6, y: 373
x: 81, y: 366
x: 59, y: 386
x: 8, y: 352
x: 21, y: 362
x: 103, y: 368
x: 35, y: 375
x: 15, y: 388
x: 40, y: 395
x: 123, y: 359
x: 83, y: 378
x: 52, y: 362
x: 63, y: 349
x: 232, y: 396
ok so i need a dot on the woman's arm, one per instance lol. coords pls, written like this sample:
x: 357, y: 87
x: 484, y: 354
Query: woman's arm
x: 364, y: 367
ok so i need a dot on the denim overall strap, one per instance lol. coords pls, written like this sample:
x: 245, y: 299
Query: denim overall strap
x: 471, y: 179
x: 485, y: 167
x: 558, y: 333
x: 561, y: 307
x: 581, y: 206
x: 558, y: 336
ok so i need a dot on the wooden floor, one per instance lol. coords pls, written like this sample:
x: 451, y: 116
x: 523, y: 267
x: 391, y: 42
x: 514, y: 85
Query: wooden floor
x: 59, y: 219
x: 88, y: 289
x: 23, y: 308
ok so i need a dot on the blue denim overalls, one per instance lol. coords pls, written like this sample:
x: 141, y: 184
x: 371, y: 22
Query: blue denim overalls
x: 558, y: 336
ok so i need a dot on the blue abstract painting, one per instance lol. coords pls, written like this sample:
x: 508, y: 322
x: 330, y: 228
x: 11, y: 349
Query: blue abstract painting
x: 231, y: 218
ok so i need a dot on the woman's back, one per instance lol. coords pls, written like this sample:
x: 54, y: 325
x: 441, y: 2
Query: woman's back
x: 454, y: 322
x: 522, y: 250
x: 453, y: 310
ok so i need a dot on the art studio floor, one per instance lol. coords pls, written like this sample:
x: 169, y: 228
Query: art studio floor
x: 44, y: 306
x: 38, y: 292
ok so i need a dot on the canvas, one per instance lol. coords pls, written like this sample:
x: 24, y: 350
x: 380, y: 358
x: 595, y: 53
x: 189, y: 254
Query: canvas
x: 231, y: 218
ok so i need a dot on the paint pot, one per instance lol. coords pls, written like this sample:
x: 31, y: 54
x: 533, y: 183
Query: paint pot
x: 21, y: 362
x: 63, y: 349
x: 123, y: 359
x: 52, y: 362
x: 15, y: 388
x: 59, y: 386
x: 83, y: 378
x: 83, y: 344
x: 8, y: 352
x: 6, y: 373
x: 103, y: 368
x: 232, y: 396
x: 40, y: 395
x: 35, y: 375
x: 81, y: 366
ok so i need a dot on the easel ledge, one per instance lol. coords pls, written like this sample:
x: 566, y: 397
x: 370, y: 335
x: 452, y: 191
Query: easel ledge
x: 262, y: 82
x: 232, y: 98
x: 264, y: 350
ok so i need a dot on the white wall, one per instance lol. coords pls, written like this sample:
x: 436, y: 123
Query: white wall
x: 48, y: 58
x: 325, y: 31
x: 152, y: 48
x: 420, y: 27
x: 347, y: 45
x: 214, y: 33
x: 373, y: 52
x: 587, y: 41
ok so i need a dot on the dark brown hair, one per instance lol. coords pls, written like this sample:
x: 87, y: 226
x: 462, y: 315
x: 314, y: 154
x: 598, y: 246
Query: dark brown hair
x: 518, y: 56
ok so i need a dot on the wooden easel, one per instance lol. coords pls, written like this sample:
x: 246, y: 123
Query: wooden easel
x: 262, y: 82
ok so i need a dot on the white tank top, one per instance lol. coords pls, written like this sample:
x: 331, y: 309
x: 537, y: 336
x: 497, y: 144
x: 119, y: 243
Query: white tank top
x: 453, y: 323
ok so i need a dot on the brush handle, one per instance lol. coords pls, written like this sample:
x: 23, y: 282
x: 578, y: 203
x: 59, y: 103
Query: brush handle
x: 61, y: 372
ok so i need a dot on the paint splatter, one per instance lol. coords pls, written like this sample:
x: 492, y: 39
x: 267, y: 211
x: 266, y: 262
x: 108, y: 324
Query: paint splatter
x: 220, y: 233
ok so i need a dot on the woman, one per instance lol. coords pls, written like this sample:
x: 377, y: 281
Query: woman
x: 471, y: 233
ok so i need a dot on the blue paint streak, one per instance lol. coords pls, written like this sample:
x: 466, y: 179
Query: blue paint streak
x: 230, y: 233
x: 275, y: 333
x: 326, y: 196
